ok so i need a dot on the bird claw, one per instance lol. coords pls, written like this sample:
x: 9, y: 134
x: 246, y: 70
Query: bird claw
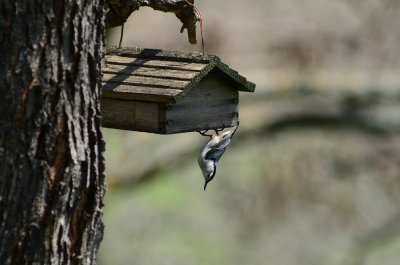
x: 204, y: 133
x: 218, y: 130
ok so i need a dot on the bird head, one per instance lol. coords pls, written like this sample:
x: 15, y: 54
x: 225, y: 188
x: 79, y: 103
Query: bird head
x: 209, y: 174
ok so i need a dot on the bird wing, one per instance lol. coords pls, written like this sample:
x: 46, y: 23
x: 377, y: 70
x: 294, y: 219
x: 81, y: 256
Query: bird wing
x: 215, y: 154
x: 216, y: 150
x: 223, y: 143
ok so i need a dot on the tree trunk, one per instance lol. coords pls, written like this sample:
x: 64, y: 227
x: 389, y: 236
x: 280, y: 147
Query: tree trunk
x: 51, y: 165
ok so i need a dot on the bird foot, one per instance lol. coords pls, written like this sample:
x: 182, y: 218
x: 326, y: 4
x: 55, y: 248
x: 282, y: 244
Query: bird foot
x: 218, y: 130
x: 204, y: 133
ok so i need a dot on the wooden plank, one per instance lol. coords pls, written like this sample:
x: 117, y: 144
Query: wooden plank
x: 112, y: 59
x: 146, y: 116
x: 144, y: 81
x: 212, y: 87
x: 210, y: 108
x: 150, y: 94
x: 217, y: 122
x: 129, y: 115
x: 192, y: 116
x: 161, y: 54
x: 117, y: 114
x: 211, y: 104
x: 150, y: 72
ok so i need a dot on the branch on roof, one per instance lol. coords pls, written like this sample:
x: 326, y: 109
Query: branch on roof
x: 120, y: 10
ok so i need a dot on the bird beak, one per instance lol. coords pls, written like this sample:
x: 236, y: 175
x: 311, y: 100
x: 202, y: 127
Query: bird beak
x: 205, y: 185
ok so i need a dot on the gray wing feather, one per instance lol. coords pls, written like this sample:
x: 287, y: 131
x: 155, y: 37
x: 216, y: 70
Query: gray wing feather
x: 219, y: 148
x: 215, y: 154
x: 223, y: 144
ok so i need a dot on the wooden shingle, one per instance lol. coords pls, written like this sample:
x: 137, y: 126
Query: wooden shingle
x: 182, y: 91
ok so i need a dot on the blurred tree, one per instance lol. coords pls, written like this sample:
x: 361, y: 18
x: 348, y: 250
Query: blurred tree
x: 51, y: 166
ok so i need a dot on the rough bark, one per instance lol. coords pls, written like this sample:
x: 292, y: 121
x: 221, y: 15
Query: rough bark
x: 119, y: 11
x: 51, y: 166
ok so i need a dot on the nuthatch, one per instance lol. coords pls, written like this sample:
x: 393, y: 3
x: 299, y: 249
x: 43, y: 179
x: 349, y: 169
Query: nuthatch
x: 212, y: 151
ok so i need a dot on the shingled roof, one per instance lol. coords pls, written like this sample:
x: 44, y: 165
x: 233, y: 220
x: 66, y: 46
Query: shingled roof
x: 161, y: 76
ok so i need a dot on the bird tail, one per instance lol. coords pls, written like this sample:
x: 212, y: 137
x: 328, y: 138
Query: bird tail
x: 231, y: 132
x: 234, y: 130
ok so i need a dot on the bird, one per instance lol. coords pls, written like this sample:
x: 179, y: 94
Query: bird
x: 212, y: 151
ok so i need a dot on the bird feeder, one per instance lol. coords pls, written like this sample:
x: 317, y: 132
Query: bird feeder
x: 168, y: 92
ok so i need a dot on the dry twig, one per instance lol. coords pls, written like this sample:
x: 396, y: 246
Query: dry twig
x: 200, y: 18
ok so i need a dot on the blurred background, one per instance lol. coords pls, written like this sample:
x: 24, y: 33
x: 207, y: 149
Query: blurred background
x: 313, y: 173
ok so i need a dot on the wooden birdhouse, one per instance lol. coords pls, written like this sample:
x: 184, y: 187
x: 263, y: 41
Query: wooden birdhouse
x: 168, y: 92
